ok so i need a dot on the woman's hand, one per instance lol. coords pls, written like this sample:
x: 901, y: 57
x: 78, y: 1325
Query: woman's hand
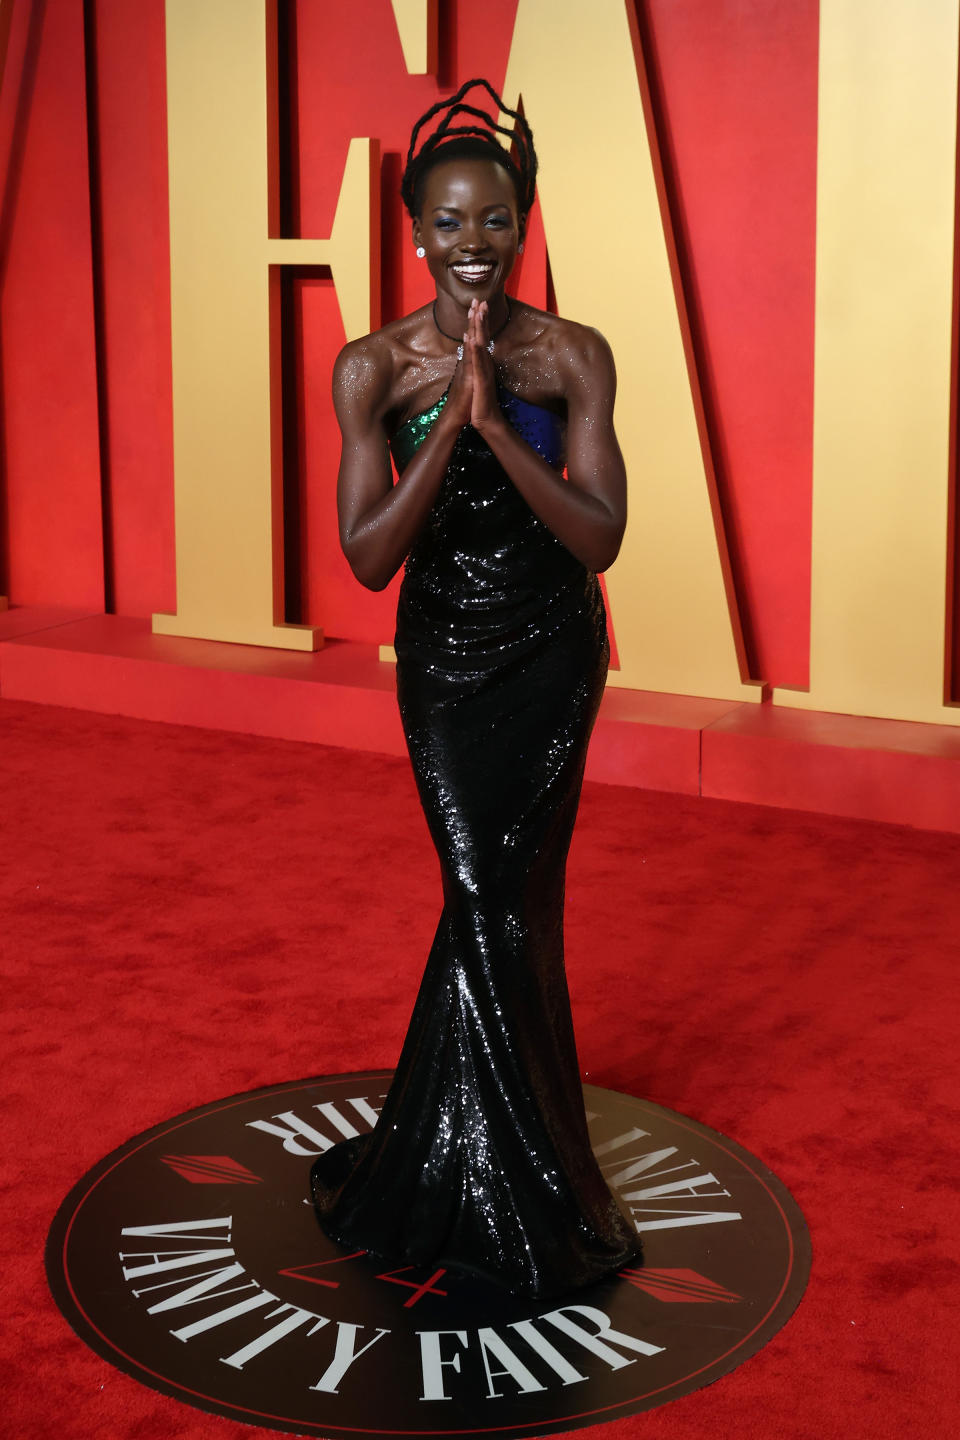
x: 472, y: 396
x: 484, y: 407
x: 460, y: 393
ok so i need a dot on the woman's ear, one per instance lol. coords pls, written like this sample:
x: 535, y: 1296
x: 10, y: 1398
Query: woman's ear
x: 417, y: 234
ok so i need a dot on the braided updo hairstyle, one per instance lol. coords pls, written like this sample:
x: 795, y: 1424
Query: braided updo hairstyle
x: 475, y: 140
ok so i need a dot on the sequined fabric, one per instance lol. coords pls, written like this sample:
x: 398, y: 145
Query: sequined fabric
x: 480, y: 1160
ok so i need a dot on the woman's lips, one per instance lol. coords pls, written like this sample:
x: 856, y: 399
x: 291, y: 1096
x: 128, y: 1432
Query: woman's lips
x: 473, y: 272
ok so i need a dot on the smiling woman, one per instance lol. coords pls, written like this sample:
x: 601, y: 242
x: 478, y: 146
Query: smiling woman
x: 510, y: 497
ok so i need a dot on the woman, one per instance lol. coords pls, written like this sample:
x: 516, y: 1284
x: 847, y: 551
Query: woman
x: 480, y: 1160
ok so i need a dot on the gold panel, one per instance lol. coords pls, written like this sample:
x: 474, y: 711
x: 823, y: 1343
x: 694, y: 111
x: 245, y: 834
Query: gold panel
x: 575, y: 69
x: 224, y: 271
x: 417, y: 25
x: 885, y: 264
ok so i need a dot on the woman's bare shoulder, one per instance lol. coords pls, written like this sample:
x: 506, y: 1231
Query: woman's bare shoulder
x: 365, y: 371
x: 580, y: 344
x: 559, y: 355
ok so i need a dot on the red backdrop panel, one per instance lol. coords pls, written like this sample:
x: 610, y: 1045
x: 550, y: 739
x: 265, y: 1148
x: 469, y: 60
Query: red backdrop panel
x: 47, y: 337
x: 130, y: 182
x: 738, y: 91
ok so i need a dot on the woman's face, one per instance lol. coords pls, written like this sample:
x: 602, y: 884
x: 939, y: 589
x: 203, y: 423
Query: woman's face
x: 469, y: 228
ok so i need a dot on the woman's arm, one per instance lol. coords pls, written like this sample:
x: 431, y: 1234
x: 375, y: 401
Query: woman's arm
x: 588, y: 511
x: 380, y: 520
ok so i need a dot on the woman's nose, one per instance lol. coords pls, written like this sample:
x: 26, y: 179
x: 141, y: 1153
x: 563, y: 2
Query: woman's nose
x: 473, y: 237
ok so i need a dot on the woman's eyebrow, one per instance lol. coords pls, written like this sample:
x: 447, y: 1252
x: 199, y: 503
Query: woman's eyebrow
x: 455, y: 209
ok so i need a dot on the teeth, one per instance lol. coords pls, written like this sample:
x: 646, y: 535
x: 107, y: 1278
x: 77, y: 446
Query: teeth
x: 473, y: 270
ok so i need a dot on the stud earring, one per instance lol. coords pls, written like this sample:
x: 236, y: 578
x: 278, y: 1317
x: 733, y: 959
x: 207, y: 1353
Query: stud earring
x: 420, y: 252
x: 520, y: 248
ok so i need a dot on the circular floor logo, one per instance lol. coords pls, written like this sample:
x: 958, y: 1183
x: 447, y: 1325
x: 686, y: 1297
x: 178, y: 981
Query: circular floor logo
x: 191, y: 1259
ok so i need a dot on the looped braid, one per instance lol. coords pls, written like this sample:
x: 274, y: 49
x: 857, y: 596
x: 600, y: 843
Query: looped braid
x: 521, y: 166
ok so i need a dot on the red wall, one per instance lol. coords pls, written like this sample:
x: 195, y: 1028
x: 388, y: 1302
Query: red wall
x: 85, y: 305
x: 737, y: 87
x: 129, y: 188
x: 50, y: 451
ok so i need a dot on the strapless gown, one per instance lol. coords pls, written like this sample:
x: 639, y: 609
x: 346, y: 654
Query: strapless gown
x: 480, y: 1160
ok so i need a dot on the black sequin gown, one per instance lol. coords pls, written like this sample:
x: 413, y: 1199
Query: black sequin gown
x: 480, y: 1160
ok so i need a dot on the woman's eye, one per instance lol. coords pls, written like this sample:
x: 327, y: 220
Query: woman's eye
x: 498, y: 222
x: 445, y: 224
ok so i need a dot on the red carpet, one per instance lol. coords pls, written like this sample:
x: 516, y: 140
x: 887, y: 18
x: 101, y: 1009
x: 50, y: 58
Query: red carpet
x: 186, y: 914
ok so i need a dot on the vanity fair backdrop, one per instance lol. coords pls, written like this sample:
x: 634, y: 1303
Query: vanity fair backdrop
x: 791, y: 522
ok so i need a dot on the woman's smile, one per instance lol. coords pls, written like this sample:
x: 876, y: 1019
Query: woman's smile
x: 473, y: 272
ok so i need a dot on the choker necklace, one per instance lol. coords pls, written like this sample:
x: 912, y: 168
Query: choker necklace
x: 459, y: 343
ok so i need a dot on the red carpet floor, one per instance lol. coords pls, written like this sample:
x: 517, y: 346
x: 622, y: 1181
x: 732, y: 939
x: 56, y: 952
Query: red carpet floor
x: 186, y: 914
